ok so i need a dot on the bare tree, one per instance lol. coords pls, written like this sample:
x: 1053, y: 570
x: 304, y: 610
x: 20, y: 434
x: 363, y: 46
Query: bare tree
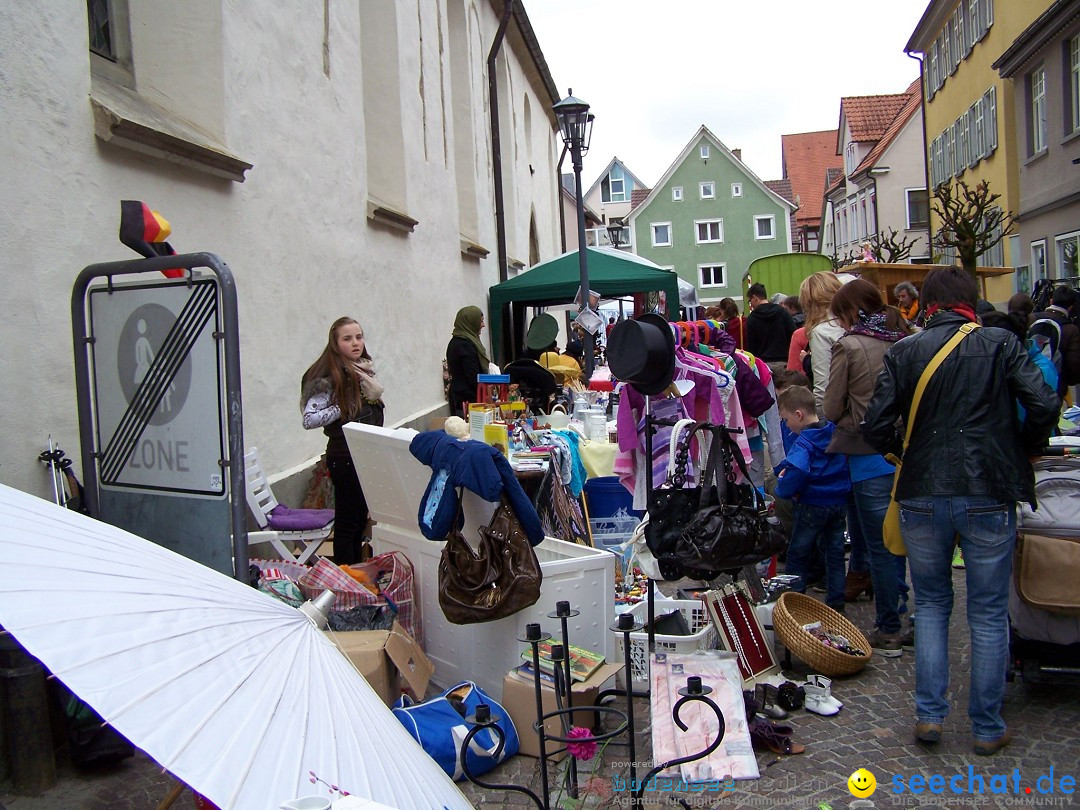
x: 971, y: 220
x: 891, y: 247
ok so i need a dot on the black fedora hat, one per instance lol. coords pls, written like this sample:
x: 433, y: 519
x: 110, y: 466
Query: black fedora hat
x: 642, y: 352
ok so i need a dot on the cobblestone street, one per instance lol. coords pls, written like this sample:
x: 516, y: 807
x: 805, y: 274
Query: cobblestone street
x: 873, y: 730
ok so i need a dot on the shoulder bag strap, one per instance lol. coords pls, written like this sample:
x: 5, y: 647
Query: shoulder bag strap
x: 928, y: 372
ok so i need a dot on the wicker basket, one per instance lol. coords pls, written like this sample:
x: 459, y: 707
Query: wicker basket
x: 793, y: 610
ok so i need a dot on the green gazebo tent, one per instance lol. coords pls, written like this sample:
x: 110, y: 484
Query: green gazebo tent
x: 612, y: 273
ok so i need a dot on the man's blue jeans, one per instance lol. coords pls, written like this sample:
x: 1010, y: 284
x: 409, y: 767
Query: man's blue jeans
x: 815, y: 527
x: 986, y: 529
x: 872, y: 498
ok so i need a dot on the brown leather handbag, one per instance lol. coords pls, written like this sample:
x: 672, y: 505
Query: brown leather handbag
x: 497, y: 580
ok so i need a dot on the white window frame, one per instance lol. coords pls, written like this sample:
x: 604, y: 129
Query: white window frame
x: 676, y: 193
x: 670, y: 234
x: 1059, y: 253
x: 701, y: 189
x: 1074, y: 82
x: 907, y: 208
x: 979, y: 126
x: 1037, y: 109
x: 719, y: 223
x: 736, y: 189
x: 959, y: 26
x: 1038, y: 248
x: 771, y: 219
x: 703, y: 151
x: 721, y: 266
x: 947, y: 48
x: 850, y: 154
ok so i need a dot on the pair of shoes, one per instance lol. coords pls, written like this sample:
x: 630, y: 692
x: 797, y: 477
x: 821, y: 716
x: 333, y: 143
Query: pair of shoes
x: 958, y: 558
x: 928, y: 732
x: 886, y: 644
x: 985, y: 749
x: 790, y: 696
x: 817, y: 586
x: 767, y: 695
x: 819, y: 699
x: 907, y: 640
x: 856, y: 584
x: 764, y: 734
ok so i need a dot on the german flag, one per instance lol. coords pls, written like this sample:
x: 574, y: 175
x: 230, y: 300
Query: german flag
x: 145, y: 232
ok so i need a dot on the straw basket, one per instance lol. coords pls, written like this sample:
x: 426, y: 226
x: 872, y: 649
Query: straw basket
x: 793, y: 610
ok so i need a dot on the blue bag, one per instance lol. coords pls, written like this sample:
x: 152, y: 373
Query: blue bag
x: 440, y: 729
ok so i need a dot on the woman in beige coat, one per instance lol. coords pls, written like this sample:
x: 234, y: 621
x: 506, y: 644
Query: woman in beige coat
x: 871, y: 328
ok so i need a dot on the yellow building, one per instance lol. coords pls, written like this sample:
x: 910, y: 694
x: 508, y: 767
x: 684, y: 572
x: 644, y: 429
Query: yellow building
x: 968, y: 108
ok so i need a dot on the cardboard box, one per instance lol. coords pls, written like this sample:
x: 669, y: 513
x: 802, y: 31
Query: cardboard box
x: 519, y: 700
x: 385, y: 658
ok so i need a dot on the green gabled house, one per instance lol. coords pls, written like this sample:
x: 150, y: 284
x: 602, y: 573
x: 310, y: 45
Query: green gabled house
x: 708, y: 217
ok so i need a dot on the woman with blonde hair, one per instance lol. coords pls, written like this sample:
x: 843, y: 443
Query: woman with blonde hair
x: 822, y: 329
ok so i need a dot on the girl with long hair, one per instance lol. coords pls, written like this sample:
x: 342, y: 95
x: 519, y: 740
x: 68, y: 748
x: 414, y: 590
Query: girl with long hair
x: 341, y: 387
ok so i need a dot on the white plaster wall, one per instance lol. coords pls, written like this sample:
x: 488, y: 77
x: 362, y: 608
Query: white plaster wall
x: 295, y: 234
x: 904, y: 157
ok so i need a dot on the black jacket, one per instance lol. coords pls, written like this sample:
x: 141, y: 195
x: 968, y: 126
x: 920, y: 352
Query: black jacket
x: 967, y: 439
x: 769, y: 328
x: 463, y: 363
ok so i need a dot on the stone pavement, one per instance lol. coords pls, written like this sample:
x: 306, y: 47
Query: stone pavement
x: 873, y: 730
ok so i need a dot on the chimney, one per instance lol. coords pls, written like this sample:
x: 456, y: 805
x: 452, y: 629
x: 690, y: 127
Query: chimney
x: 738, y: 154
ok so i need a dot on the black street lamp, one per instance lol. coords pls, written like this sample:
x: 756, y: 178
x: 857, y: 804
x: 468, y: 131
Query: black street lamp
x: 575, y: 121
x: 614, y: 233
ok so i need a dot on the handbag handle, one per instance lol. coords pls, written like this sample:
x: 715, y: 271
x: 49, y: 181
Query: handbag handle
x: 680, y: 458
x: 733, y: 450
x: 673, y: 445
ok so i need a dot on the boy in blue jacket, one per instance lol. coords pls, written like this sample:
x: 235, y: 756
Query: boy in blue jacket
x: 818, y: 483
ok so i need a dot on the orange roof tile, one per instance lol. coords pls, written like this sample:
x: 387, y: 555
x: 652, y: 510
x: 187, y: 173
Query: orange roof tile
x: 807, y: 155
x: 869, y: 116
x: 913, y: 103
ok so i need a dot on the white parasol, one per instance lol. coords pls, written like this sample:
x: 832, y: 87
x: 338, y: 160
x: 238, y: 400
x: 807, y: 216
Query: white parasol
x: 234, y: 693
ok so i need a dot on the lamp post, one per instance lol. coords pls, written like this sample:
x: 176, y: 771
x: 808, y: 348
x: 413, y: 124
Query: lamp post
x: 614, y: 233
x: 575, y: 121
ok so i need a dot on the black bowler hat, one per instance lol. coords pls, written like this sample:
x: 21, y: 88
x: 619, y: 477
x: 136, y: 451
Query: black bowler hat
x: 642, y: 352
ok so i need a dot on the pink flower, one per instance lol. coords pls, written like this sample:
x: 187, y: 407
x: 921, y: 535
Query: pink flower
x: 582, y: 750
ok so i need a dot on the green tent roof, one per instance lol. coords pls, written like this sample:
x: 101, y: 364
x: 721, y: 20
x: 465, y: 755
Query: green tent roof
x: 612, y: 273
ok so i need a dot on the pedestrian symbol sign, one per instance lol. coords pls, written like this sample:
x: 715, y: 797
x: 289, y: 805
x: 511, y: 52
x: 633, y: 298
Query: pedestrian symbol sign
x: 157, y: 386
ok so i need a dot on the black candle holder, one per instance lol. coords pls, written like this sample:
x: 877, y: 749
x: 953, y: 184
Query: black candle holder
x: 534, y: 636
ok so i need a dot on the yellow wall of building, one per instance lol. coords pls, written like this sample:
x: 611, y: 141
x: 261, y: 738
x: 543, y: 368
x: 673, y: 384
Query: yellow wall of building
x: 972, y: 78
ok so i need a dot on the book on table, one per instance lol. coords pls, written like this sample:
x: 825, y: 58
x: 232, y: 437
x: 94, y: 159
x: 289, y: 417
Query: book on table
x: 583, y: 663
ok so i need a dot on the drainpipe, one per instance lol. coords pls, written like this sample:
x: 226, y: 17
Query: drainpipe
x: 926, y: 155
x: 496, y: 173
x: 558, y: 183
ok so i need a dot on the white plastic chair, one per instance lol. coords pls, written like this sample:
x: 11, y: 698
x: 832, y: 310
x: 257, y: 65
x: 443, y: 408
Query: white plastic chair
x: 313, y: 525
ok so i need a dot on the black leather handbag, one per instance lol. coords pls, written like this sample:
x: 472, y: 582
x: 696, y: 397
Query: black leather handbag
x: 673, y: 506
x: 732, y: 526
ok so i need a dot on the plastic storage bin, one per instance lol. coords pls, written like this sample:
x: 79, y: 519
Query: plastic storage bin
x: 606, y: 496
x: 702, y: 635
x: 394, y: 483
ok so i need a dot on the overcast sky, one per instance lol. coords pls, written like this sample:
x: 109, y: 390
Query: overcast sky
x: 653, y: 72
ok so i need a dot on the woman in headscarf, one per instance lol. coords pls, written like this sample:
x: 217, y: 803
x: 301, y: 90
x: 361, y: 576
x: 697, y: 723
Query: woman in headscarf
x: 341, y: 387
x: 465, y: 358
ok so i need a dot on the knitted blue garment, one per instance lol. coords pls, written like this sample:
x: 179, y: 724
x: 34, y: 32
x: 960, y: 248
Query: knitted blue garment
x: 478, y: 467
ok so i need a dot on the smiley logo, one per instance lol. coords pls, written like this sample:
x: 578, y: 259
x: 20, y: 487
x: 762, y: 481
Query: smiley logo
x: 862, y: 783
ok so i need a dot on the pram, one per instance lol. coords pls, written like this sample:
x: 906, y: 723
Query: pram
x: 1045, y: 622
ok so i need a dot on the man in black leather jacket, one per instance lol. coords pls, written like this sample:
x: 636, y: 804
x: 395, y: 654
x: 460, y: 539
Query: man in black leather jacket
x: 964, y: 470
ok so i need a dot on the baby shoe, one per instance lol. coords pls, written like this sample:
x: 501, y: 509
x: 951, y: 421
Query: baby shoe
x: 819, y: 697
